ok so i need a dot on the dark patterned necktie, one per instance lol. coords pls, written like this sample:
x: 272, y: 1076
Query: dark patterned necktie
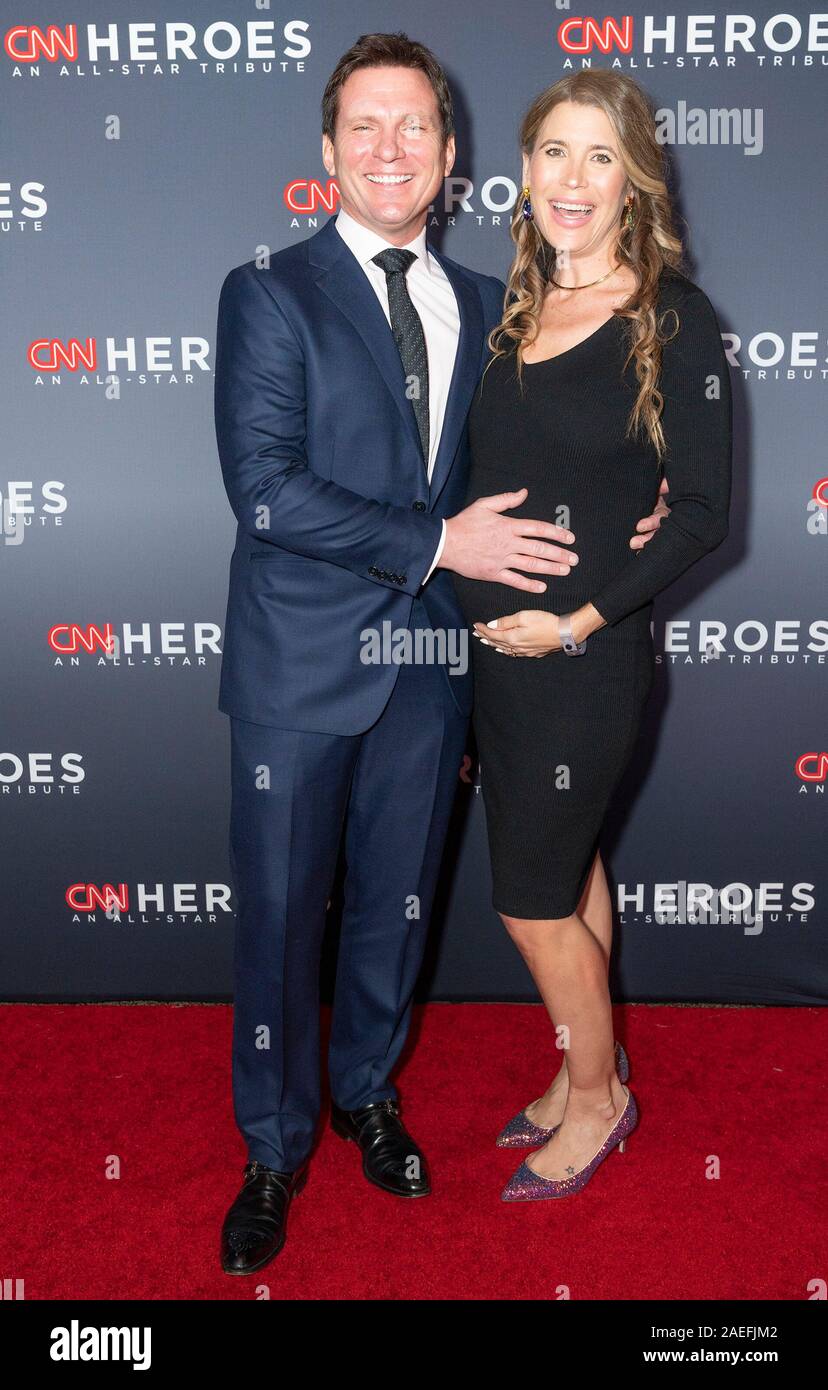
x: 408, y: 333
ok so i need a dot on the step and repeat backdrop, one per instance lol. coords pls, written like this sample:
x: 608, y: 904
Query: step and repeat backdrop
x: 146, y: 149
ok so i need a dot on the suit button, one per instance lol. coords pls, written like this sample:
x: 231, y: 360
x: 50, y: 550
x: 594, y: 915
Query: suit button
x: 373, y: 570
x: 381, y: 574
x: 403, y: 578
x: 419, y: 506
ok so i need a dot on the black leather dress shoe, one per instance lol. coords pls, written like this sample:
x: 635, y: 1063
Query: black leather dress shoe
x: 255, y: 1227
x: 390, y: 1158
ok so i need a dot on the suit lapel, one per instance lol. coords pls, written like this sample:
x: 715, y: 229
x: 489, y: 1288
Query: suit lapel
x: 342, y: 279
x: 465, y: 375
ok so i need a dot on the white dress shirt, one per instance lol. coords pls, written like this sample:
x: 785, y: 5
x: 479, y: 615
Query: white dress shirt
x: 433, y: 297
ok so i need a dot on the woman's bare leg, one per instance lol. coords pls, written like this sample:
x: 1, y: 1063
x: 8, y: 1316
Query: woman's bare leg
x: 569, y: 966
x: 595, y: 911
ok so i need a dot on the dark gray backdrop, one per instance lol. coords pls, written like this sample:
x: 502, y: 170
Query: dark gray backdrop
x: 126, y: 196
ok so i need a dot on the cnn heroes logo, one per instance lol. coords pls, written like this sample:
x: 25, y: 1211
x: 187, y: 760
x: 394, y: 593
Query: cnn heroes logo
x: 150, y: 49
x: 772, y: 356
x: 189, y: 904
x: 22, y: 206
x: 46, y: 773
x: 139, y: 644
x: 158, y: 360
x: 812, y: 771
x: 816, y: 510
x: 786, y: 641
x: 25, y: 506
x: 701, y: 904
x: 695, y: 40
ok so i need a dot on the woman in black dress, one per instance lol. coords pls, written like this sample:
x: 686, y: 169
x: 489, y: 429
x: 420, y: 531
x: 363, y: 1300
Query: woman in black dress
x: 607, y: 374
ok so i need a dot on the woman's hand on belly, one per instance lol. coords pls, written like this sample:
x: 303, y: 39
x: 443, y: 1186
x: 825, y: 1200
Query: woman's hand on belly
x: 529, y: 633
x: 533, y: 632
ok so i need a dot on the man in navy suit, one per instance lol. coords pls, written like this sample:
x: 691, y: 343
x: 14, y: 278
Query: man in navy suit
x: 344, y: 374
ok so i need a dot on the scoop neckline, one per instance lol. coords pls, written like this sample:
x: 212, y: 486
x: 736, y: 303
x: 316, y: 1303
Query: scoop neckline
x: 556, y: 357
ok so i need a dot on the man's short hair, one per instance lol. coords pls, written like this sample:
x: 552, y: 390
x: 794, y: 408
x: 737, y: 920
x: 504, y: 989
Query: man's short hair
x: 385, y: 51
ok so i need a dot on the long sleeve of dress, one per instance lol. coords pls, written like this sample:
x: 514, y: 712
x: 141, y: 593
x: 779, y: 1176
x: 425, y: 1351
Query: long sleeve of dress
x: 697, y: 423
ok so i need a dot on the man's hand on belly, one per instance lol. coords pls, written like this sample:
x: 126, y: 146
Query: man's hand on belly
x: 482, y: 544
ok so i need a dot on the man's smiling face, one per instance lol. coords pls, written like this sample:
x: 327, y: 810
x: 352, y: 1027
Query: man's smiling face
x: 388, y: 156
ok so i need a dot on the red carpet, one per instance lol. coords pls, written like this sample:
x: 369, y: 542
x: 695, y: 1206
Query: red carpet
x: 151, y: 1084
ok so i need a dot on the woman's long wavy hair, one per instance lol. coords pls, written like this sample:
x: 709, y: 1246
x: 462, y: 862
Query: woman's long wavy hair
x: 646, y: 248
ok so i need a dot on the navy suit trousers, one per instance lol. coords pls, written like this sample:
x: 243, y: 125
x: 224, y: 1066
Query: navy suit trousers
x: 391, y: 788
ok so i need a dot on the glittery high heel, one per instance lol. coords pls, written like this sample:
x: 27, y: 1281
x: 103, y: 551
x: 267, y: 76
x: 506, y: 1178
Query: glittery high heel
x: 528, y: 1186
x: 521, y: 1133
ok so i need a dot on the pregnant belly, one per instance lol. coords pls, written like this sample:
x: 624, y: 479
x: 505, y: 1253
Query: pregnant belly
x: 480, y: 601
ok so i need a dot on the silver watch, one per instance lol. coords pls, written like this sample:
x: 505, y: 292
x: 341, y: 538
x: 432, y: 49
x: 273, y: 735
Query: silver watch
x: 568, y: 643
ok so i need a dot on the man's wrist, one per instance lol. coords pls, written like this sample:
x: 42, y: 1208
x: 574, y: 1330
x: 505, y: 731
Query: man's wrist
x: 443, y: 560
x: 440, y: 548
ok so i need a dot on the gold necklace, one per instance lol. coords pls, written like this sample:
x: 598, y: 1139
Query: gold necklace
x: 585, y: 287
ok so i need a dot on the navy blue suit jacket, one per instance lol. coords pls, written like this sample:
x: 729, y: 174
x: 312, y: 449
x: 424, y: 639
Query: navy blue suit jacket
x: 321, y: 460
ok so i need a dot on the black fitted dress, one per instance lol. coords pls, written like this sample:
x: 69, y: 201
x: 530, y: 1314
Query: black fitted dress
x: 555, y: 733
